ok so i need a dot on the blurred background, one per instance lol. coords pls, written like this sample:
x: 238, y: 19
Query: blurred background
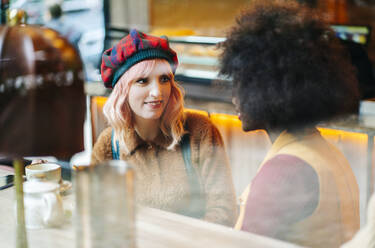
x: 189, y: 23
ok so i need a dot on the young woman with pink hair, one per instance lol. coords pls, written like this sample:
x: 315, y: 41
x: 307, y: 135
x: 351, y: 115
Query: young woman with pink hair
x: 178, y: 157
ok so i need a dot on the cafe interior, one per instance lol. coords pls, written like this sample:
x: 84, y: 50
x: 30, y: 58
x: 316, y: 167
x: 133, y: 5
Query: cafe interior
x: 47, y: 137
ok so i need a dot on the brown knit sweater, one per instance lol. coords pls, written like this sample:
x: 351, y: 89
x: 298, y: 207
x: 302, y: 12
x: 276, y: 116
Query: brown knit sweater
x: 161, y: 179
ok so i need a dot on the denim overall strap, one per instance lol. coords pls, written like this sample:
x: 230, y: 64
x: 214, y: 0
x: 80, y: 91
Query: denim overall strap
x: 115, y: 147
x: 197, y: 203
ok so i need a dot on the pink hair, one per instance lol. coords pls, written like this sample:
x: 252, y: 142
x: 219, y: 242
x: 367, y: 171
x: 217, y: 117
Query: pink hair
x: 118, y: 112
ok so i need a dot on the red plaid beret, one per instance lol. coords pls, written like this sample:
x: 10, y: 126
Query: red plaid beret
x: 134, y: 48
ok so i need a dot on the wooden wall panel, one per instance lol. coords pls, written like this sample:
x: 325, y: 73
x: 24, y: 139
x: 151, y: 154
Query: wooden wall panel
x: 205, y: 17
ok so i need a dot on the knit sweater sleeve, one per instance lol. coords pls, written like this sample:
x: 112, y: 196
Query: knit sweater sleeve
x: 285, y: 191
x: 102, y: 150
x: 215, y: 175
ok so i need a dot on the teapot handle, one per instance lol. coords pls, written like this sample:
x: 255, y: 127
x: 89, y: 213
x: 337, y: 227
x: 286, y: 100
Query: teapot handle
x: 54, y: 211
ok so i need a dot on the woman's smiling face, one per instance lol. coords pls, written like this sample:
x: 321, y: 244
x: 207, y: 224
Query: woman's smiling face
x: 149, y: 93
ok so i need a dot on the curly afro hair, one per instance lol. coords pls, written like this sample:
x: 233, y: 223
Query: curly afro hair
x: 289, y: 71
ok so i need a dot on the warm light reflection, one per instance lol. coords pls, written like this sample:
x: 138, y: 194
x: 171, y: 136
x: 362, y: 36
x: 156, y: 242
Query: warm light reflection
x: 68, y: 54
x: 232, y: 120
x: 99, y: 100
x: 58, y: 43
x: 50, y: 34
x: 225, y: 119
x: 333, y: 134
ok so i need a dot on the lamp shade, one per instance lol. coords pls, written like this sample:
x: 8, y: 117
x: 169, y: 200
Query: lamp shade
x: 42, y: 100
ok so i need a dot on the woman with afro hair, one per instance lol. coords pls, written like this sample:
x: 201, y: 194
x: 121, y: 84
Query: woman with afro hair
x: 289, y: 73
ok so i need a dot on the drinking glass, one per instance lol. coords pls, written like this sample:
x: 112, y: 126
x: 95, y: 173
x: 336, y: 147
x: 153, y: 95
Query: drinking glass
x: 105, y: 209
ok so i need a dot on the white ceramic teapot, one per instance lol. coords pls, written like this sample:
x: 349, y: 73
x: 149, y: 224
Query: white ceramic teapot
x: 43, y: 204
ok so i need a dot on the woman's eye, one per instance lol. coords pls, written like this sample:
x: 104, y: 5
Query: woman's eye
x: 141, y: 81
x: 165, y: 78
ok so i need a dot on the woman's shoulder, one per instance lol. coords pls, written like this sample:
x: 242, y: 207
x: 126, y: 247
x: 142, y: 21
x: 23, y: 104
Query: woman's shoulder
x: 195, y: 121
x: 102, y: 149
x: 106, y: 133
x: 105, y: 136
x: 200, y: 127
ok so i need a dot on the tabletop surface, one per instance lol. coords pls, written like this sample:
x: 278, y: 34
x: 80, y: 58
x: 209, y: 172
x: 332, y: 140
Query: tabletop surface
x: 154, y: 228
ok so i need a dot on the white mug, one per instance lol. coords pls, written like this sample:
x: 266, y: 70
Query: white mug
x: 43, y: 172
x: 43, y: 204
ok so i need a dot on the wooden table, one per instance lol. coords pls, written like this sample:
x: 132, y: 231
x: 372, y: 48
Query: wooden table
x: 154, y: 228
